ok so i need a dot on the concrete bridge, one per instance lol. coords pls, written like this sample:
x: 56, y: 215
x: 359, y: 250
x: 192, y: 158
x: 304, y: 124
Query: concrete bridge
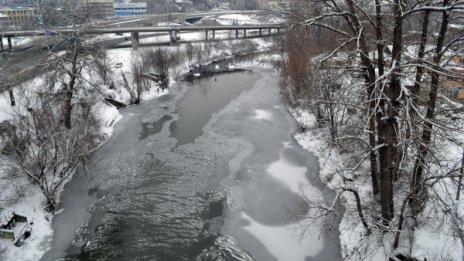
x: 172, y: 31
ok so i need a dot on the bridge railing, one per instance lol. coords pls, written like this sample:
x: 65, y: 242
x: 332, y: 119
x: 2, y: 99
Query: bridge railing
x: 16, y: 33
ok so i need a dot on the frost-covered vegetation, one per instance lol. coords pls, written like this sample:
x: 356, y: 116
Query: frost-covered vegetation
x: 364, y: 84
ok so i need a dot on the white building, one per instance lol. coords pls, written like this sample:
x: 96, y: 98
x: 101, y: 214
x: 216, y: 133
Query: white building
x: 130, y: 9
x: 3, y: 21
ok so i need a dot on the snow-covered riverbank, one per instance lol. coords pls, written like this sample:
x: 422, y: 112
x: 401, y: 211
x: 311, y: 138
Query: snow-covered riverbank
x: 434, y: 241
x: 20, y: 196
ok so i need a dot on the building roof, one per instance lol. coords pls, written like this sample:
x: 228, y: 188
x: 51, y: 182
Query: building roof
x: 96, y: 1
x: 139, y: 4
x: 5, y: 9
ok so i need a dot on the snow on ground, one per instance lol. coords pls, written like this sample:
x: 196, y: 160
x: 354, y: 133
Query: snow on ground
x: 108, y: 116
x: 237, y: 19
x: 105, y: 37
x: 6, y: 110
x: 17, y: 41
x: 18, y: 195
x: 30, y: 204
x: 22, y: 97
x: 244, y: 19
x: 456, y: 26
x: 434, y: 241
x: 192, y: 36
x: 125, y: 56
x: 315, y: 141
x: 436, y: 245
x: 437, y: 239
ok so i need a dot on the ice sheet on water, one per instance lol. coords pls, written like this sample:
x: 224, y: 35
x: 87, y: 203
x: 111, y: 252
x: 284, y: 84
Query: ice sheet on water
x: 293, y: 176
x: 284, y: 242
x: 263, y: 115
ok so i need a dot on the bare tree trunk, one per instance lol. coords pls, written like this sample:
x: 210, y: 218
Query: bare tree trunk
x: 68, y: 109
x: 372, y: 140
x: 390, y: 159
x: 416, y: 185
x: 370, y: 79
x: 396, y: 242
x: 375, y: 127
x: 69, y: 88
x: 458, y: 193
x: 419, y: 73
x: 12, y: 98
x: 69, y: 92
x: 133, y: 96
x: 420, y: 56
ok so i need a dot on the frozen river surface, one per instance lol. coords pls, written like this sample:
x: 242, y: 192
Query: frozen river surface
x: 207, y: 172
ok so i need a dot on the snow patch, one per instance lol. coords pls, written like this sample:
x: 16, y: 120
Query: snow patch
x: 31, y: 204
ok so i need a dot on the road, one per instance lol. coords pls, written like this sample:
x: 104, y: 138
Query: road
x: 152, y: 20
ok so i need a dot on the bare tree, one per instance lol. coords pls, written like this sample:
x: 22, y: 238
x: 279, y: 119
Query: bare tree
x: 189, y: 51
x: 163, y: 61
x: 73, y: 55
x: 41, y: 148
x: 5, y: 82
x: 102, y: 63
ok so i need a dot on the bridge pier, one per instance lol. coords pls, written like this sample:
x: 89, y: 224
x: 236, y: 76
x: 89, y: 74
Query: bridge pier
x: 173, y: 37
x: 236, y: 34
x: 135, y: 39
x: 260, y: 32
x: 206, y: 35
x: 244, y: 33
x: 214, y: 34
x: 10, y: 45
x: 2, y: 48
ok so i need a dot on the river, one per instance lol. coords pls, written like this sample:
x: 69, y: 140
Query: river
x: 209, y: 171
